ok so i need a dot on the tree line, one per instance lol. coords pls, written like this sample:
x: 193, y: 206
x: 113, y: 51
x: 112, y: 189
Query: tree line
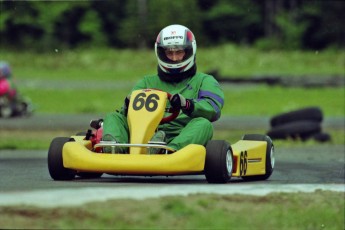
x: 265, y: 24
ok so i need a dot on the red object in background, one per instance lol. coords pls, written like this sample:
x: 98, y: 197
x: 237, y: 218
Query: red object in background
x: 4, y: 86
x: 5, y: 89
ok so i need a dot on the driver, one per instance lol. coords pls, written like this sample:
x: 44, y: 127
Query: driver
x: 6, y: 78
x: 198, y: 95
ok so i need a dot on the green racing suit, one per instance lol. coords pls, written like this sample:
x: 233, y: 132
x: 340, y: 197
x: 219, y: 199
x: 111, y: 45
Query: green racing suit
x: 195, y: 128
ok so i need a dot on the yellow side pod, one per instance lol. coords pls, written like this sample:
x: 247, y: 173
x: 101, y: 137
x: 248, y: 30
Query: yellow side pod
x: 250, y: 160
x: 188, y: 160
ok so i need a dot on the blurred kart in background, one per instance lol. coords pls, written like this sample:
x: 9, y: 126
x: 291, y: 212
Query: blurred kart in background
x: 86, y: 155
x: 11, y: 106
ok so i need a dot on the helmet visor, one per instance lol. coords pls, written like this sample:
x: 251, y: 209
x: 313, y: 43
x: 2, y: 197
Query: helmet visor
x: 174, y: 54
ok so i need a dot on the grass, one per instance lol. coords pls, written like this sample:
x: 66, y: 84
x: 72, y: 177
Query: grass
x: 90, y: 80
x: 96, y: 81
x: 321, y: 210
x: 230, y: 60
x: 239, y: 100
x: 87, y: 81
x: 244, y: 61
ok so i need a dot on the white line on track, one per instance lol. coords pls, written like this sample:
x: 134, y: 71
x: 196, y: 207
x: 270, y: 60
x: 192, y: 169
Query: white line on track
x: 75, y: 197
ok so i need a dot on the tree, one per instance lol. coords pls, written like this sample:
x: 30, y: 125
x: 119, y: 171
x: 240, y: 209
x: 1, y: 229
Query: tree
x: 283, y: 24
x: 138, y: 31
x: 236, y: 21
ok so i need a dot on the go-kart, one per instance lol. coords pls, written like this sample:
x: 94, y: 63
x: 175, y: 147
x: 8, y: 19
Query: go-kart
x: 251, y: 158
x: 9, y: 106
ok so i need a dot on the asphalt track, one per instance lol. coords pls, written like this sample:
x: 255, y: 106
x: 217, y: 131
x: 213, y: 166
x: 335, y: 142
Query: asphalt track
x: 24, y: 177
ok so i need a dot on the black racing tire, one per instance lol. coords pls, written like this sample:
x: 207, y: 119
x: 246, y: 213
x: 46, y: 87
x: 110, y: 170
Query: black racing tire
x: 55, y: 162
x: 6, y: 108
x: 296, y: 130
x: 322, y: 137
x: 309, y: 114
x: 270, y: 160
x: 218, y: 162
x: 5, y: 111
x: 89, y: 175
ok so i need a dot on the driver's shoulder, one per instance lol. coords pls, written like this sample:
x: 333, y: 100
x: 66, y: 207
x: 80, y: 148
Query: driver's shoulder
x: 151, y: 77
x: 203, y: 77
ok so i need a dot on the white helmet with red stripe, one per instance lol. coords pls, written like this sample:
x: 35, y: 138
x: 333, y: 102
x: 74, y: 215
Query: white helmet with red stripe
x: 175, y: 37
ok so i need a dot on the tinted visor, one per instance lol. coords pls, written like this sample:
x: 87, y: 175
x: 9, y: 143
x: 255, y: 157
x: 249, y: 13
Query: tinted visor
x: 164, y: 51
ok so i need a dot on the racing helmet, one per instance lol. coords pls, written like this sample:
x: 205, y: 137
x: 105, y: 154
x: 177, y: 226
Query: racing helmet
x: 5, y: 70
x: 175, y: 37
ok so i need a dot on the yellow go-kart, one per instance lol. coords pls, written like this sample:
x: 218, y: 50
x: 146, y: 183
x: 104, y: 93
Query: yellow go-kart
x: 251, y: 158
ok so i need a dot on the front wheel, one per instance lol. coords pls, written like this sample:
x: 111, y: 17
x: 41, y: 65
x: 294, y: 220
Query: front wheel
x: 270, y: 161
x: 55, y: 162
x: 219, y: 161
x: 6, y: 107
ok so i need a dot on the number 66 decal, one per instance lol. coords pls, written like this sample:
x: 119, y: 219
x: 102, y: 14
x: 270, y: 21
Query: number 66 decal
x: 243, y: 163
x: 150, y: 102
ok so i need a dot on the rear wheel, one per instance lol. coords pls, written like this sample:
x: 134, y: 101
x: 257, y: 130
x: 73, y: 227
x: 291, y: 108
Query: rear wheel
x: 270, y: 161
x: 55, y: 162
x: 6, y: 109
x: 219, y: 161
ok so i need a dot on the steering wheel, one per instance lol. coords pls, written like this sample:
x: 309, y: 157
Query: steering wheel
x: 174, y: 111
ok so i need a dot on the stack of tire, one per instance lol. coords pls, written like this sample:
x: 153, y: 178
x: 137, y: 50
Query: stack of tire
x: 302, y: 124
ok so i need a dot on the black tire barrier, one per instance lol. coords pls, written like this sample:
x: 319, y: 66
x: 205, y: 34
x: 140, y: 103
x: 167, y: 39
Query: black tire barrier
x: 322, y: 137
x: 295, y: 130
x: 305, y: 114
